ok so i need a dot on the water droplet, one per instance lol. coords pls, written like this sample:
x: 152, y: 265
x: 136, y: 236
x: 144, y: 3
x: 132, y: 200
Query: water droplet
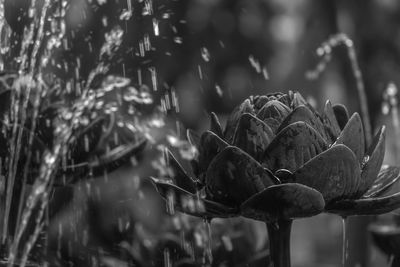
x: 205, y: 54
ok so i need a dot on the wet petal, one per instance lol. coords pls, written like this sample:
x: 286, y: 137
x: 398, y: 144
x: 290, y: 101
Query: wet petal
x: 210, y: 146
x: 331, y: 124
x: 200, y: 207
x: 181, y: 178
x: 284, y: 201
x: 352, y: 136
x: 193, y: 138
x: 273, y: 113
x: 233, y: 119
x: 298, y: 100
x: 293, y: 146
x: 260, y: 101
x: 335, y: 173
x: 341, y: 114
x: 215, y: 125
x: 372, y: 167
x: 252, y: 135
x: 233, y: 176
x: 304, y: 114
x: 365, y: 206
x: 388, y: 178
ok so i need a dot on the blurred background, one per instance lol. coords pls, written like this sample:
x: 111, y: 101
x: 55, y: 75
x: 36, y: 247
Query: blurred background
x: 211, y: 55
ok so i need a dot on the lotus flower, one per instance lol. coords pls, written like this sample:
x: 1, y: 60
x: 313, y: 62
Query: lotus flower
x: 278, y: 158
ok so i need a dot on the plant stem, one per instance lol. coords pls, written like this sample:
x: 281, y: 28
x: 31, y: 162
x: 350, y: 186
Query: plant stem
x: 279, y: 240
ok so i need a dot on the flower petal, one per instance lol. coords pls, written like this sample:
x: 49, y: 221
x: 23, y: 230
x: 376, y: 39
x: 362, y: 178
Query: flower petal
x: 388, y: 178
x: 293, y: 146
x: 191, y: 204
x: 284, y: 201
x: 352, y: 136
x: 365, y: 206
x: 215, y: 125
x: 335, y: 173
x: 210, y: 146
x: 303, y: 113
x: 273, y: 113
x: 233, y: 119
x: 331, y: 124
x: 193, y: 138
x: 181, y: 178
x: 341, y: 114
x: 233, y: 176
x: 298, y: 100
x: 372, y: 167
x: 252, y: 135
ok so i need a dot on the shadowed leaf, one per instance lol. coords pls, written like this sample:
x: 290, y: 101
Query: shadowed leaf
x: 335, y: 173
x: 293, y: 146
x: 352, y: 136
x: 284, y: 201
x: 369, y: 172
x: 341, y: 114
x: 234, y: 176
x: 252, y: 135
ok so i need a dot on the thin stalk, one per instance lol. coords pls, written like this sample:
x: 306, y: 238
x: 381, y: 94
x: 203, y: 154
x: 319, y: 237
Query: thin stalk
x: 279, y: 240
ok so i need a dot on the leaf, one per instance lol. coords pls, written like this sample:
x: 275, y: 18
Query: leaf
x: 234, y: 176
x: 341, y: 114
x: 335, y: 173
x: 365, y: 206
x: 233, y: 119
x: 284, y: 201
x: 388, y: 178
x: 202, y: 207
x: 252, y: 135
x: 210, y: 146
x: 304, y: 114
x: 372, y: 167
x: 330, y: 123
x: 181, y: 178
x: 352, y: 136
x: 292, y: 147
x: 273, y: 113
x: 215, y: 125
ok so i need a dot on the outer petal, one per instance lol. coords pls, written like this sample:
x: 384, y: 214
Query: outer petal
x: 233, y: 119
x: 370, y: 170
x: 252, y: 135
x: 293, y: 146
x: 335, y: 173
x: 181, y: 178
x: 191, y: 204
x: 304, y: 114
x: 273, y: 113
x: 298, y: 100
x: 233, y: 176
x: 193, y: 138
x: 341, y: 114
x: 386, y: 184
x: 284, y: 201
x: 352, y: 136
x: 210, y: 146
x: 331, y: 125
x: 365, y: 206
x: 215, y: 125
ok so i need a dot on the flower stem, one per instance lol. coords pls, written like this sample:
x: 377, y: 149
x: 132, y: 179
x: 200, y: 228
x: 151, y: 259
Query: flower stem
x: 279, y: 240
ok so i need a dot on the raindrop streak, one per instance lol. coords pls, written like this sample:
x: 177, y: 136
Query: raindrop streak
x: 167, y: 258
x: 345, y: 242
x: 205, y: 54
x: 208, y: 245
x: 390, y: 104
